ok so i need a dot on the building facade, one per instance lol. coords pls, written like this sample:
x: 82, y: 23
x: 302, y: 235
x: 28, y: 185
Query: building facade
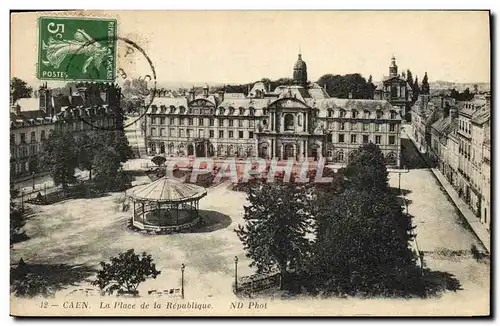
x: 396, y: 90
x: 88, y: 107
x: 298, y: 122
x: 460, y: 145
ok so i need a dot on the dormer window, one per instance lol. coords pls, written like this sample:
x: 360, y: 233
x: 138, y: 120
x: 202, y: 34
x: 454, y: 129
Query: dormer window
x: 342, y: 113
x: 221, y: 111
x: 330, y: 113
x: 231, y: 111
x: 172, y: 109
x: 393, y: 115
x: 242, y: 111
x: 182, y: 110
x: 354, y: 114
x: 264, y: 111
x: 379, y: 114
x: 366, y: 114
x: 252, y: 112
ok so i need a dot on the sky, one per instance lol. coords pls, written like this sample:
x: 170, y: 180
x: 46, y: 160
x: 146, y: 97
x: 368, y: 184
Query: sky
x: 245, y: 46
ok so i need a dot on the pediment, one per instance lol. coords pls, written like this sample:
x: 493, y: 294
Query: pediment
x: 288, y: 103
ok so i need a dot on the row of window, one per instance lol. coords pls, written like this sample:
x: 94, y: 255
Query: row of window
x: 201, y: 133
x: 200, y: 122
x: 182, y: 110
x: 24, y: 151
x: 355, y: 114
x: 23, y: 140
x: 464, y: 126
x: 365, y: 139
x: 364, y: 126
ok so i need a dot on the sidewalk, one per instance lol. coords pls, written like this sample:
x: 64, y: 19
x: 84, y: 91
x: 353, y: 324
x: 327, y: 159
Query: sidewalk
x: 477, y: 227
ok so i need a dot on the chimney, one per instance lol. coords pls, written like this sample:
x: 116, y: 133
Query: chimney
x: 221, y: 93
x: 191, y: 94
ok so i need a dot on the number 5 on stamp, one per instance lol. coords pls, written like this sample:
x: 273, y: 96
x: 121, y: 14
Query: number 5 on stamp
x: 77, y: 49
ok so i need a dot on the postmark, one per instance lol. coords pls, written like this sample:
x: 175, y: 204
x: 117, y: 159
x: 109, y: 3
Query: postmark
x: 88, y: 43
x: 135, y: 77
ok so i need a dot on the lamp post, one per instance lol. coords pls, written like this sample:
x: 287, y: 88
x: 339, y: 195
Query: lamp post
x: 236, y: 274
x: 182, y: 280
x: 33, y: 179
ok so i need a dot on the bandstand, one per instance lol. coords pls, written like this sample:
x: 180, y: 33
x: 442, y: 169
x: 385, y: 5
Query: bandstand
x: 166, y: 205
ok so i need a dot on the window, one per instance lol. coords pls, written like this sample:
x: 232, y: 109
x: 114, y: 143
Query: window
x: 231, y: 123
x: 354, y: 114
x: 393, y: 115
x: 366, y: 127
x: 162, y: 120
x: 231, y: 134
x: 172, y: 121
x: 42, y: 135
x: 242, y: 111
x: 162, y: 132
x: 342, y: 126
x: 220, y: 122
x: 251, y: 123
x: 189, y: 133
x: 33, y: 137
x: 377, y: 139
x: 23, y: 138
x: 341, y: 138
x: 353, y: 139
x: 366, y: 114
x: 342, y: 113
x: 211, y: 122
x: 221, y: 133
x: 379, y: 114
x: 392, y: 140
x: 365, y: 139
x: 211, y: 134
x: 190, y: 121
x: 185, y: 121
x: 354, y: 126
x: 240, y: 123
x: 201, y: 133
x: 250, y: 134
x: 200, y: 121
x: 153, y: 120
x: 240, y: 134
x: 172, y: 132
x: 153, y: 131
x: 377, y: 127
x: 392, y: 127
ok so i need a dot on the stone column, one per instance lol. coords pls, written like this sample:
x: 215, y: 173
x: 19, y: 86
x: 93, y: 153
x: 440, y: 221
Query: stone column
x: 320, y: 151
x: 295, y: 152
x: 281, y: 151
x: 306, y: 149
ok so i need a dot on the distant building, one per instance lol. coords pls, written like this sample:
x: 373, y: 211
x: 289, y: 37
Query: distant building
x: 395, y: 90
x: 88, y: 107
x: 300, y: 121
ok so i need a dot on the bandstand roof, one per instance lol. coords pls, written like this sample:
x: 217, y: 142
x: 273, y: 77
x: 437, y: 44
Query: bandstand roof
x: 167, y: 190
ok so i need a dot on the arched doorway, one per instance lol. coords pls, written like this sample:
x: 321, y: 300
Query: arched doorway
x: 200, y: 149
x: 162, y: 148
x: 230, y: 151
x: 340, y: 156
x: 314, y: 151
x: 289, y: 151
x: 152, y: 147
x: 220, y: 151
x: 241, y: 151
x: 263, y: 149
x: 190, y: 149
x: 210, y: 150
x: 250, y: 152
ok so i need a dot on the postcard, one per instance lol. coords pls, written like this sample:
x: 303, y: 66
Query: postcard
x: 250, y: 163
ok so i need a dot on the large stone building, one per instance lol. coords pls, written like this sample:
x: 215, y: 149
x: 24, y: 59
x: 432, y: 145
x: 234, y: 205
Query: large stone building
x: 299, y: 121
x: 88, y: 106
x: 396, y: 90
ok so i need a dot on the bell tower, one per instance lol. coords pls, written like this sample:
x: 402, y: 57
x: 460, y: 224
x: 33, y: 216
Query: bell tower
x: 393, y: 68
x: 300, y: 72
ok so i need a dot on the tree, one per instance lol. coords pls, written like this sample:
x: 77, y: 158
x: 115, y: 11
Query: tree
x: 409, y: 78
x: 125, y: 272
x: 17, y: 220
x: 116, y: 139
x: 19, y: 89
x: 87, y: 145
x: 159, y: 160
x: 344, y: 86
x: 416, y: 88
x: 107, y: 168
x: 366, y: 169
x: 61, y: 157
x: 362, y: 244
x: 277, y: 222
x: 425, y: 85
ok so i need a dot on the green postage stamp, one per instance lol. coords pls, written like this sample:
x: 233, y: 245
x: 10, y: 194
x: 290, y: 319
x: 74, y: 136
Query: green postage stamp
x: 77, y: 49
